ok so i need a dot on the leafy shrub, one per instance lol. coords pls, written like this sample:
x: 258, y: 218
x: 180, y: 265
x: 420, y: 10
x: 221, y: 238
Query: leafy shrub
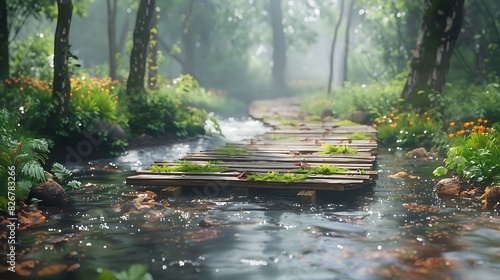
x: 408, y: 129
x: 475, y: 152
x: 20, y: 159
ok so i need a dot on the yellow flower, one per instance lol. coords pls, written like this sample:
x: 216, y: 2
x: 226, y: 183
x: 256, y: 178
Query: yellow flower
x: 451, y: 135
x: 452, y: 124
x: 479, y: 120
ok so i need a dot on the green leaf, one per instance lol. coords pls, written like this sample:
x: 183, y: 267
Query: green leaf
x: 440, y: 171
x: 61, y: 172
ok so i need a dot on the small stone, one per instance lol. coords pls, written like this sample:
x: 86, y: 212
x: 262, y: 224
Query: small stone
x: 448, y: 186
x: 418, y: 153
x: 491, y: 197
x: 359, y: 117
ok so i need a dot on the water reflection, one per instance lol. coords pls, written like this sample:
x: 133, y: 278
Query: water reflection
x: 399, y: 230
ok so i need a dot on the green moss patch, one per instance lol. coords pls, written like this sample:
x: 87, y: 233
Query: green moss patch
x: 277, y: 177
x: 233, y: 150
x: 186, y: 166
x: 324, y: 169
x: 336, y: 149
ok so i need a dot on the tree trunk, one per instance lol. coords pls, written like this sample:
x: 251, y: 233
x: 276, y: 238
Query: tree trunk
x: 4, y: 41
x: 441, y: 25
x: 346, y: 45
x: 153, y: 53
x: 187, y: 40
x: 138, y: 55
x: 279, y: 45
x: 332, y: 49
x: 62, y: 86
x: 111, y: 5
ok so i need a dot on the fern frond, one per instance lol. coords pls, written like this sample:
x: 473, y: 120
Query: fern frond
x: 34, y: 170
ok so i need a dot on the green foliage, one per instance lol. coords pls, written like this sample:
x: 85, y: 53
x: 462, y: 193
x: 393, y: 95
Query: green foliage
x: 134, y: 272
x: 63, y: 174
x: 277, y: 177
x: 185, y: 166
x: 233, y: 150
x: 21, y: 159
x: 408, y: 129
x: 475, y: 153
x: 157, y: 111
x: 336, y: 149
x: 371, y: 99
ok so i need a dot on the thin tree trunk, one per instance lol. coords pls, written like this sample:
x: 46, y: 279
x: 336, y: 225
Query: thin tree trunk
x: 332, y: 49
x: 441, y: 25
x: 279, y: 45
x: 153, y: 54
x: 138, y: 55
x: 62, y: 86
x: 4, y: 41
x: 401, y: 60
x: 187, y: 39
x: 111, y: 5
x: 346, y: 45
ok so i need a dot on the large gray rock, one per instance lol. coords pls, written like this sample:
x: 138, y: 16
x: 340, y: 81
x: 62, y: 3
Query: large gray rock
x: 449, y: 186
x: 359, y: 117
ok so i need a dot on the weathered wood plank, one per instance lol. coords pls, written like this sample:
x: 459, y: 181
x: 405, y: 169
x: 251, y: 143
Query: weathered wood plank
x: 233, y: 182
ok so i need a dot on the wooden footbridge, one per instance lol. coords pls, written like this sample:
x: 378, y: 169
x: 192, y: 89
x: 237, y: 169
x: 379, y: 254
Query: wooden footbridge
x: 297, y: 143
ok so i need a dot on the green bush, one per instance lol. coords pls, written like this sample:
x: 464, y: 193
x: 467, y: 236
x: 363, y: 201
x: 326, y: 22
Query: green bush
x: 21, y: 161
x: 475, y: 153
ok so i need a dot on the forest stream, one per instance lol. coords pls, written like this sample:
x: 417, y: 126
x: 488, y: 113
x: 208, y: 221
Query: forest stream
x: 398, y: 229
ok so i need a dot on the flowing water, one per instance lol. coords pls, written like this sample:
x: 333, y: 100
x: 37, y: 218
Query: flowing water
x: 399, y: 229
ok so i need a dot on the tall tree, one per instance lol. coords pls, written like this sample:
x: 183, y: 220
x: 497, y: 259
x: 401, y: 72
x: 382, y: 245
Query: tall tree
x: 61, y: 84
x: 153, y: 53
x: 346, y: 43
x: 279, y: 44
x: 138, y: 55
x: 4, y: 41
x: 187, y: 40
x: 332, y: 48
x: 111, y: 8
x: 441, y: 25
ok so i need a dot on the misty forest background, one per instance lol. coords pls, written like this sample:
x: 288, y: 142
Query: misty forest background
x: 118, y: 70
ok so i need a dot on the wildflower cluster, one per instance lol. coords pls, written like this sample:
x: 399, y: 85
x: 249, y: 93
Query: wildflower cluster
x: 475, y: 152
x: 406, y: 130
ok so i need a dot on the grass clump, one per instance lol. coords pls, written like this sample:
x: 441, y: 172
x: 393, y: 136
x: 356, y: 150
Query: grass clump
x: 284, y: 137
x: 287, y: 122
x: 186, y: 166
x: 336, y: 149
x: 347, y: 123
x: 324, y: 169
x: 358, y: 136
x: 277, y: 177
x: 233, y: 150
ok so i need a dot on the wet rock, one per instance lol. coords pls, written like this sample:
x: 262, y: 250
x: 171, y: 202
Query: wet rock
x: 402, y: 174
x: 359, y: 117
x: 449, y: 186
x: 418, y: 153
x: 491, y: 197
x: 29, y: 215
x: 50, y: 193
x: 207, y: 223
x: 142, y: 205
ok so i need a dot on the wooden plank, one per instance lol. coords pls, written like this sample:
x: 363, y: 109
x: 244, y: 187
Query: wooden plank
x: 171, y: 192
x: 278, y: 165
x: 233, y: 182
x: 306, y: 197
x: 234, y: 173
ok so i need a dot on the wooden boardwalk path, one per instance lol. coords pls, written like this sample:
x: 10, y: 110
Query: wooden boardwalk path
x: 294, y: 143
